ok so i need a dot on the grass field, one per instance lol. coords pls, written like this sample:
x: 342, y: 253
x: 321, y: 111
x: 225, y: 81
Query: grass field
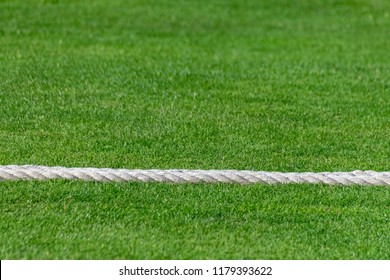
x: 285, y: 85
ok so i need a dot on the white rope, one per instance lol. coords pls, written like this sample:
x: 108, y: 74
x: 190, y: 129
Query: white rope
x: 35, y: 172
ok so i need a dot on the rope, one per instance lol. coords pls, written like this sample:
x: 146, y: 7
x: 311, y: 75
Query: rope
x: 35, y: 172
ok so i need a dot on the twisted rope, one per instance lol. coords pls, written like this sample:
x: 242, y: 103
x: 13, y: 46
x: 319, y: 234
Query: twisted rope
x: 35, y: 172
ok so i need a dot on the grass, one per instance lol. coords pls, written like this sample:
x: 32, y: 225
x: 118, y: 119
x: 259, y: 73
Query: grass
x: 131, y: 221
x: 263, y: 85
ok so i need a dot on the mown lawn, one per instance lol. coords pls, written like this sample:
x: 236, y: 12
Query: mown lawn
x: 156, y: 221
x: 285, y: 85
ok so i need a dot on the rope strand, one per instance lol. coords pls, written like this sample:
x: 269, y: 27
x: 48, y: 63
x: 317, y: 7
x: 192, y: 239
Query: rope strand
x: 36, y: 172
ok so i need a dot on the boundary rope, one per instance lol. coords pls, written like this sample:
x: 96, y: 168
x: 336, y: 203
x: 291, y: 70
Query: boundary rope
x: 36, y: 172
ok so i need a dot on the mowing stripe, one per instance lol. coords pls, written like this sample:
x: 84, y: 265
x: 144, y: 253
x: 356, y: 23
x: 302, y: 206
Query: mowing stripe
x: 36, y: 172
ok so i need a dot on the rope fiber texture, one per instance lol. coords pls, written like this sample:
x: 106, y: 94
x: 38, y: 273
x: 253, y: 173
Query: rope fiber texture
x: 36, y: 172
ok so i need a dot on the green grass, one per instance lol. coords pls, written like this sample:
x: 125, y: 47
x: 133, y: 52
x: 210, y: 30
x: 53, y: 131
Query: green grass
x: 286, y: 85
x: 156, y: 221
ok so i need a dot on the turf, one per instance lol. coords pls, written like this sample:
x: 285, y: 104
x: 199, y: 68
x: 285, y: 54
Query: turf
x: 261, y: 85
x: 156, y: 221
